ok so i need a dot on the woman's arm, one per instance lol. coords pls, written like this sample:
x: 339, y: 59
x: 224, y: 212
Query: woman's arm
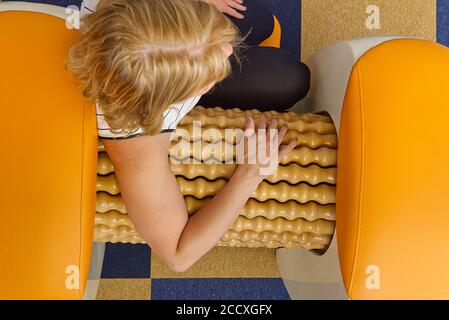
x: 156, y: 206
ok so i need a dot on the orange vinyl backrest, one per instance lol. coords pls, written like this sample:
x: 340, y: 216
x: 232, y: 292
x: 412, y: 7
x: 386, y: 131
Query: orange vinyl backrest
x: 48, y: 162
x: 393, y: 173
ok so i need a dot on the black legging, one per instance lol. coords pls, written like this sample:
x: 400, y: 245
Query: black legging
x: 268, y: 78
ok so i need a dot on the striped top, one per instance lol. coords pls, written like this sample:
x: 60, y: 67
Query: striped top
x: 171, y: 117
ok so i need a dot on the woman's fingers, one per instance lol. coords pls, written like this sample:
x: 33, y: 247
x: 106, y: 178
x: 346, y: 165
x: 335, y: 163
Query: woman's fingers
x: 262, y: 123
x: 285, y: 150
x: 232, y: 12
x: 250, y: 123
x: 236, y: 5
x: 272, y: 134
x: 250, y: 130
x: 229, y: 7
x: 273, y: 130
x: 282, y: 132
x: 273, y: 124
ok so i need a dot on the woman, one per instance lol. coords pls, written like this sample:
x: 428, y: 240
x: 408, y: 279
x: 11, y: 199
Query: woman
x: 147, y: 63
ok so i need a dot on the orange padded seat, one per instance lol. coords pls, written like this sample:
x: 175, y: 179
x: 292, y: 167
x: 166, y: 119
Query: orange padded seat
x: 48, y: 162
x: 49, y: 142
x: 274, y: 40
x: 393, y: 173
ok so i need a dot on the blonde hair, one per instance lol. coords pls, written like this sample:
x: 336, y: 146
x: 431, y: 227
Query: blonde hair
x: 138, y: 57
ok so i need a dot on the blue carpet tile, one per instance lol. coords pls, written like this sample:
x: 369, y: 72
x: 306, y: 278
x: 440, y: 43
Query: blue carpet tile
x: 219, y: 289
x: 126, y: 261
x: 443, y: 21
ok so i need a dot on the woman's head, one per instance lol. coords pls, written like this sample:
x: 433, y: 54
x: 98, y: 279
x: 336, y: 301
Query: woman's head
x: 138, y: 57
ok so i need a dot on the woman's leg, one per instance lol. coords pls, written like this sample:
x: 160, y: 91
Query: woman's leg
x: 268, y: 79
x: 258, y: 22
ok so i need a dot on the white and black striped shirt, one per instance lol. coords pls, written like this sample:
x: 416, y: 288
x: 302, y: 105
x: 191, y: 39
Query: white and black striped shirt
x: 171, y: 117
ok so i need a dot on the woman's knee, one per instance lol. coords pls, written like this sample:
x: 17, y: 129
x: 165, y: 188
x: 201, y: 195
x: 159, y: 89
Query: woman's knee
x: 296, y: 83
x: 286, y: 80
x: 267, y: 79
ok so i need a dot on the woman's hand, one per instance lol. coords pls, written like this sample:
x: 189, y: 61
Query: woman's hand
x: 229, y: 7
x: 261, y: 148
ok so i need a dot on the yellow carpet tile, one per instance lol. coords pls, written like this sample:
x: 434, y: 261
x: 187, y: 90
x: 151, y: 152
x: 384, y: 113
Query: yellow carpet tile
x: 327, y: 21
x: 224, y: 262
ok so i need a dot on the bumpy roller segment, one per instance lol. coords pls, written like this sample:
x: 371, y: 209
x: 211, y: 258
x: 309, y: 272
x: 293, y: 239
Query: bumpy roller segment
x: 235, y: 118
x: 294, y: 207
x: 323, y: 194
x: 209, y: 134
x: 302, y: 156
x: 292, y: 174
x: 270, y: 209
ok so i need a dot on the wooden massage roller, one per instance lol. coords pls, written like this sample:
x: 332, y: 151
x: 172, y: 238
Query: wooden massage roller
x: 294, y: 207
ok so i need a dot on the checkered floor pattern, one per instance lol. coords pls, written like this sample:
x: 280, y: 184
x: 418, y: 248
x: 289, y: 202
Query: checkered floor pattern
x: 133, y: 272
